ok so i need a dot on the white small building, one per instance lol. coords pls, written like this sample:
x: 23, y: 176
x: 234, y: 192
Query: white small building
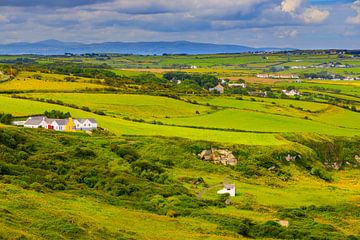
x: 219, y: 88
x: 291, y: 93
x: 228, y: 188
x: 58, y: 124
x: 36, y: 122
x: 85, y: 124
x: 80, y: 124
x: 237, y: 85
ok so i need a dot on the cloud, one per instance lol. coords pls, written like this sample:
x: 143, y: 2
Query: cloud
x: 314, y: 15
x: 355, y: 19
x: 290, y: 5
x: 300, y: 9
x: 47, y: 3
x: 252, y: 22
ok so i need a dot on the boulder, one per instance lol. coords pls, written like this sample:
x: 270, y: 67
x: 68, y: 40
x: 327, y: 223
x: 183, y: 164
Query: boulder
x: 219, y: 156
x: 284, y: 223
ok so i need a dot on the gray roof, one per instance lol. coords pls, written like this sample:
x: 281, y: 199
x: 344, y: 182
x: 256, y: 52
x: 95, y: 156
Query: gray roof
x: 82, y: 120
x: 61, y: 122
x: 35, y: 120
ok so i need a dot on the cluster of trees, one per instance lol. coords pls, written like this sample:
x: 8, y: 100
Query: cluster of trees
x: 57, y: 114
x: 6, y: 118
x: 197, y: 80
x: 322, y: 75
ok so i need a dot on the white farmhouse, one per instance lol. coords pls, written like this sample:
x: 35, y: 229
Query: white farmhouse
x: 291, y: 93
x: 236, y: 85
x: 228, y: 188
x: 219, y: 88
x: 70, y: 124
x: 85, y: 124
x: 36, y: 122
x: 58, y: 124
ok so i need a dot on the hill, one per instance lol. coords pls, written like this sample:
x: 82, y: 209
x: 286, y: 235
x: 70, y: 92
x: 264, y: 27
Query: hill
x: 54, y: 47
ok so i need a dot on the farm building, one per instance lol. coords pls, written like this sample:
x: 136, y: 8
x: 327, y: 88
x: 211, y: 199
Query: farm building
x: 237, y: 85
x: 85, y: 124
x: 36, y: 122
x: 70, y: 124
x: 219, y: 88
x: 228, y: 188
x: 277, y: 76
x: 292, y: 92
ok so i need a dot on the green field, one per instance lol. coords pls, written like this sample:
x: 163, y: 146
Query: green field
x: 248, y: 116
x: 134, y: 106
x: 122, y: 127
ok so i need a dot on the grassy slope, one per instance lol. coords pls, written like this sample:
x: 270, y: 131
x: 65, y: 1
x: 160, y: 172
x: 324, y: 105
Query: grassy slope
x: 50, y: 82
x: 134, y: 106
x: 26, y: 213
x: 21, y: 107
x: 83, y: 212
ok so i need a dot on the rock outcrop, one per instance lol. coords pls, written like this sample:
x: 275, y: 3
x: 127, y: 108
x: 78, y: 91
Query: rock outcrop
x: 218, y: 156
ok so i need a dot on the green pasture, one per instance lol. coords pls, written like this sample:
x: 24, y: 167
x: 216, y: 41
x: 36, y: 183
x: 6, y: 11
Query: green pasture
x: 263, y: 122
x: 125, y: 105
x: 62, y: 215
x: 19, y: 107
x: 26, y: 81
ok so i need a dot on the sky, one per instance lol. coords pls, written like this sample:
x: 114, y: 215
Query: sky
x: 306, y: 24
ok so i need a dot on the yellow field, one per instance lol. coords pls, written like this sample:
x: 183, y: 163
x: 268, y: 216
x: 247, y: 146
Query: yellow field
x: 49, y: 82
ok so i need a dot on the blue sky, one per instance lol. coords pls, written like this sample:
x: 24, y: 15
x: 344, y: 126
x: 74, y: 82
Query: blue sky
x: 259, y: 23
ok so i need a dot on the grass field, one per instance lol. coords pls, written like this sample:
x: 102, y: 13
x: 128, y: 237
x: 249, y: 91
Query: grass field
x: 49, y: 82
x: 44, y: 216
x: 243, y: 115
x: 118, y: 126
x: 134, y: 106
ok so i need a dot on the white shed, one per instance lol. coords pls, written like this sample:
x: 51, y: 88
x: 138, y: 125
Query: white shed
x: 228, y: 188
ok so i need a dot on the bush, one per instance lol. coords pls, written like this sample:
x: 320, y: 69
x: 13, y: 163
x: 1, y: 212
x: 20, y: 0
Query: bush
x: 126, y: 152
x: 57, y: 114
x: 37, y: 187
x: 322, y: 174
x: 84, y: 153
x: 6, y: 118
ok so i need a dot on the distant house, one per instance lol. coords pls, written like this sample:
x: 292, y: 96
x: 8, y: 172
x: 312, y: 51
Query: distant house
x: 219, y: 88
x: 36, y: 122
x: 85, y: 124
x: 258, y: 94
x: 237, y: 85
x: 57, y: 124
x: 277, y: 76
x: 228, y: 188
x: 68, y: 125
x: 291, y: 93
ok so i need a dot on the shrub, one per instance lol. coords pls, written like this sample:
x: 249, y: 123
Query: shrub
x: 126, y: 152
x: 322, y: 174
x: 84, y: 152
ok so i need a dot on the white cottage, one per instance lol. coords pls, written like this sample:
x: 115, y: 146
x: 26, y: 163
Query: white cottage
x: 36, y: 122
x: 228, y: 188
x: 58, y: 124
x: 85, y: 124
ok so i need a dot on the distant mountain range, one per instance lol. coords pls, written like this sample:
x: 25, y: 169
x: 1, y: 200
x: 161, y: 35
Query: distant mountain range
x: 54, y: 47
